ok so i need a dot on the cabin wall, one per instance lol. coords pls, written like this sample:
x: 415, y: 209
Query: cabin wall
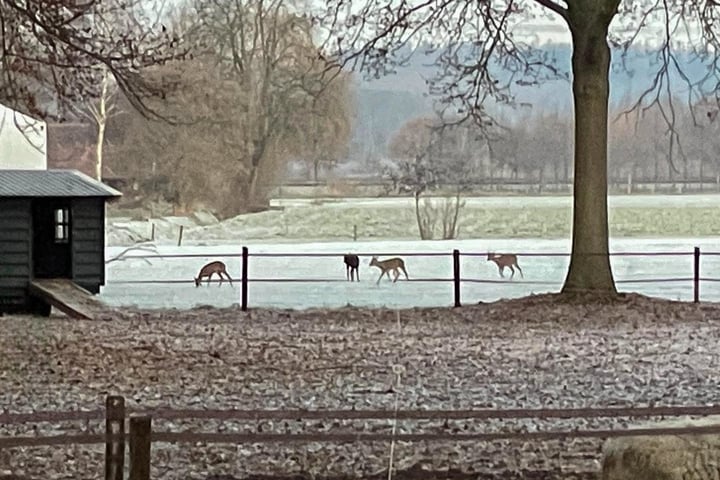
x: 15, y: 253
x: 88, y: 242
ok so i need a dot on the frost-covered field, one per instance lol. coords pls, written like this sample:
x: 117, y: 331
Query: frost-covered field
x: 669, y: 216
x: 532, y: 353
x: 637, y: 201
x: 338, y: 293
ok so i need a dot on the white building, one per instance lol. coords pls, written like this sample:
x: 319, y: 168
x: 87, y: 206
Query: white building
x: 23, y: 141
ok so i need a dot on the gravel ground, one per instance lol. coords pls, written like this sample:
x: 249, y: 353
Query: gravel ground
x: 528, y: 353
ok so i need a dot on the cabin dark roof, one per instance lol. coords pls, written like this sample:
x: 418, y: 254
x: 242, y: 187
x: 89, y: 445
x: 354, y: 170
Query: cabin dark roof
x: 52, y: 183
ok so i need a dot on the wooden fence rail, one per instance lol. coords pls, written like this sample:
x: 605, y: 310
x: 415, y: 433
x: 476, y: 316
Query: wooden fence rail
x: 416, y: 414
x: 140, y: 436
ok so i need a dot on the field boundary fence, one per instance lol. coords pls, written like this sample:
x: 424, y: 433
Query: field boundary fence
x: 245, y: 257
x: 139, y: 435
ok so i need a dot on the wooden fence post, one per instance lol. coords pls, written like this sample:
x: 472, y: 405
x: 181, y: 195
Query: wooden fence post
x: 244, y: 282
x: 696, y: 275
x: 140, y: 432
x: 114, y: 448
x: 456, y: 276
x: 180, y: 236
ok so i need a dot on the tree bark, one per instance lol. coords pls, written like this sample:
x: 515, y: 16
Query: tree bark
x: 99, y: 151
x: 252, y: 184
x: 590, y: 262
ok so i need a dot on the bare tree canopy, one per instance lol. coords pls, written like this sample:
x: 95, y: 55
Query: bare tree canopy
x: 430, y: 155
x: 256, y: 95
x: 266, y: 48
x: 51, y: 50
x: 482, y: 57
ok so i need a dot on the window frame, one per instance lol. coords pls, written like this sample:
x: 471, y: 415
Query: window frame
x: 61, y: 225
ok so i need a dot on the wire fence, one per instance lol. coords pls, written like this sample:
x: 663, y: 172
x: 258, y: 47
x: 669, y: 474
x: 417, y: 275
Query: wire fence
x: 694, y: 276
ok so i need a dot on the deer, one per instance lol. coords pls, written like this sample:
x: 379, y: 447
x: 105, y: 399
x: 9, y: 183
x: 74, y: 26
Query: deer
x: 395, y: 264
x: 209, y: 270
x: 505, y: 260
x: 352, y: 262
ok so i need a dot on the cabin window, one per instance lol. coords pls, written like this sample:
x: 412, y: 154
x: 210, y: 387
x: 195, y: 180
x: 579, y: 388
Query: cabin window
x: 62, y: 225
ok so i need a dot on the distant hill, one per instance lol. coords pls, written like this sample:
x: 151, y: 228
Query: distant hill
x: 385, y: 104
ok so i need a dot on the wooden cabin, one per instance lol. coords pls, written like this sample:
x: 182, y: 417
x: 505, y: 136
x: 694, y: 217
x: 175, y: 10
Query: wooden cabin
x: 52, y: 225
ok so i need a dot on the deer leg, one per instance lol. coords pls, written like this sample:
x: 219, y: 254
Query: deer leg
x: 500, y: 271
x: 209, y: 277
x: 357, y: 273
x: 379, y: 278
x: 397, y: 275
x: 520, y: 269
x: 513, y: 272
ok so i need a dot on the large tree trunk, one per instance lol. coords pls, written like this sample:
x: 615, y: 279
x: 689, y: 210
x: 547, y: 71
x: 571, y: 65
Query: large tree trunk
x: 590, y: 262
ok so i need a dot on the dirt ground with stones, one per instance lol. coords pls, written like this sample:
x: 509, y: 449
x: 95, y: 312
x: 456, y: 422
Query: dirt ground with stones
x: 528, y: 353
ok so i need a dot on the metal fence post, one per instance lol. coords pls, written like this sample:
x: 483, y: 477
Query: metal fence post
x: 114, y: 448
x: 244, y: 282
x: 456, y: 276
x: 140, y: 432
x: 696, y: 275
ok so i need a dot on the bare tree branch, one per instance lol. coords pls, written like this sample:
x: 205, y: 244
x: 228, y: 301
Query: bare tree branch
x: 50, y: 48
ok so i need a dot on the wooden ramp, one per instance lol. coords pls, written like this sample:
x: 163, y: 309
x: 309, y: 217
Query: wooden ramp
x: 68, y: 297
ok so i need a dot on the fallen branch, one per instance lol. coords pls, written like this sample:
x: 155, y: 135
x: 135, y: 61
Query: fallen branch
x: 143, y: 247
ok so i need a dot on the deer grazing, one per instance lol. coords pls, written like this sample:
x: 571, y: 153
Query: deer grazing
x: 211, y: 269
x: 352, y: 262
x: 394, y: 264
x: 505, y: 260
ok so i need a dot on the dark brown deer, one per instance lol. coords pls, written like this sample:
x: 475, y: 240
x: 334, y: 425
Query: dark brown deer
x: 211, y: 269
x: 352, y: 262
x: 505, y: 260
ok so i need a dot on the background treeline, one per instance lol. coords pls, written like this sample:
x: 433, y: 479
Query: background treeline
x: 254, y: 103
x: 538, y: 149
x: 251, y: 94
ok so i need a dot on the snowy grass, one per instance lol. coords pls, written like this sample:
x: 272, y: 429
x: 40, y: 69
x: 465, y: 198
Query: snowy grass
x: 543, y: 217
x: 394, y: 219
x: 336, y: 292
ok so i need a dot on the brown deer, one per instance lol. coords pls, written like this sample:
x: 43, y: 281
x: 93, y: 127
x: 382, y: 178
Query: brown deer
x: 352, y: 262
x: 394, y: 264
x: 505, y: 260
x: 209, y: 270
